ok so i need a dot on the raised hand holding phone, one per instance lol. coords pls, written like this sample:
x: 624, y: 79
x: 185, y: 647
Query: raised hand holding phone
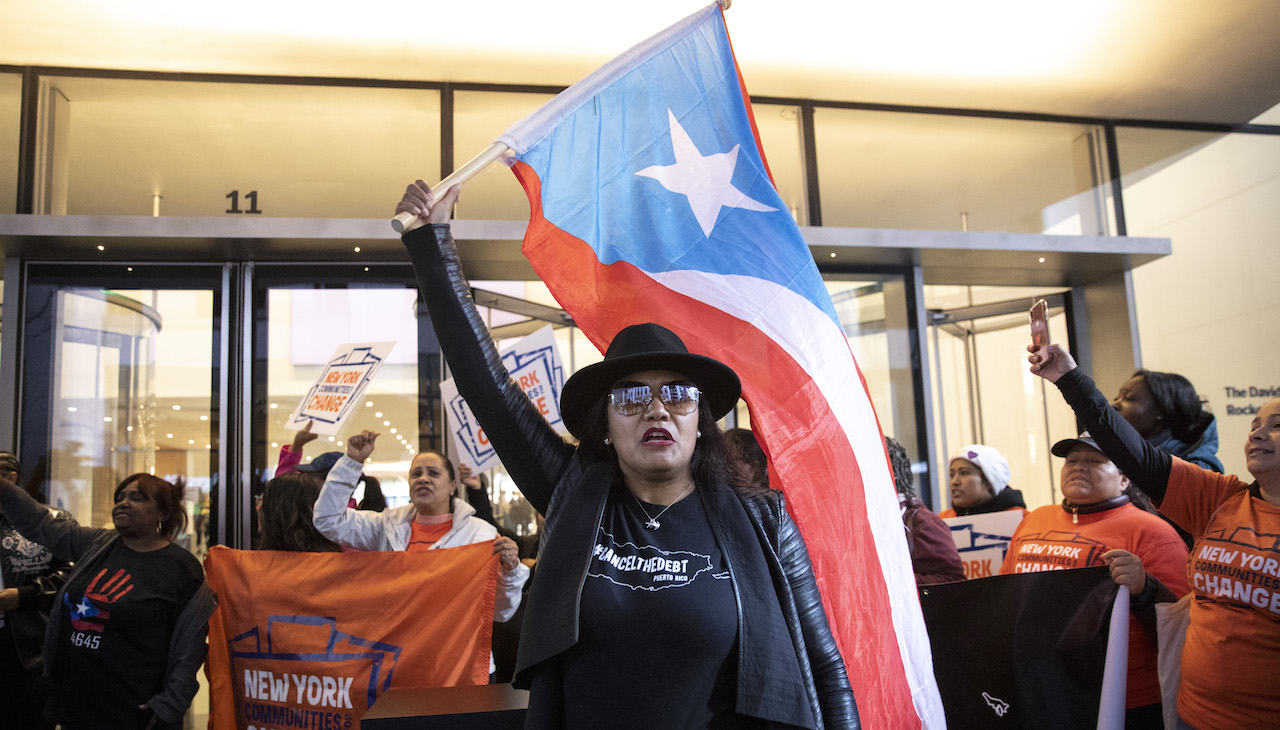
x: 1040, y: 323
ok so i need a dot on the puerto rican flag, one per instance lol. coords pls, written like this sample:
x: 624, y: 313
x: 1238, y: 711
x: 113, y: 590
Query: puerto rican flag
x: 651, y: 202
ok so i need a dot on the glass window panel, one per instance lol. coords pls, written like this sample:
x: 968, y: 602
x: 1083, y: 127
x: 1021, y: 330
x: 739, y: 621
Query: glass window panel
x: 779, y: 128
x: 479, y: 117
x: 304, y: 327
x: 10, y: 122
x: 931, y: 172
x: 1213, y: 196
x: 215, y: 149
x: 984, y: 393
x: 130, y: 390
x: 872, y: 309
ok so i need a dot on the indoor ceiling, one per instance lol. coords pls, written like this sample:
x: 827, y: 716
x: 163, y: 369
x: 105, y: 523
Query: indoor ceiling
x: 1138, y: 59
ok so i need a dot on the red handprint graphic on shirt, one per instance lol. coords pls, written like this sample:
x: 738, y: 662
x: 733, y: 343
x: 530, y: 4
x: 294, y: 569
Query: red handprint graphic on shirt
x: 86, y: 616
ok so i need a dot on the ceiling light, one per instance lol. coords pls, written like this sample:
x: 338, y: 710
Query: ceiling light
x: 71, y: 409
x: 275, y: 405
x: 378, y: 414
x: 368, y: 403
x: 204, y: 418
x: 106, y: 419
x: 169, y: 435
x: 386, y: 423
x: 177, y: 408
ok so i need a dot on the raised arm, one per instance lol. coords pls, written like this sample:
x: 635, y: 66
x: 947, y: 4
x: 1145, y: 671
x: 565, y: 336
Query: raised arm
x: 533, y: 453
x: 63, y: 536
x: 332, y: 517
x: 1145, y: 465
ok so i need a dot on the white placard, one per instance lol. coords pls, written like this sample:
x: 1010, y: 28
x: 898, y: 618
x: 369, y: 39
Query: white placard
x: 336, y: 392
x: 534, y: 363
x: 982, y: 540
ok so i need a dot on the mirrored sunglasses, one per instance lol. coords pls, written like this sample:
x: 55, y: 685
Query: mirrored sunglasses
x: 633, y: 399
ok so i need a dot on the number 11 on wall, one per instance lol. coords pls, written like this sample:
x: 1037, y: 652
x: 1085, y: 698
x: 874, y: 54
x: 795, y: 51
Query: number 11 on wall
x: 250, y: 197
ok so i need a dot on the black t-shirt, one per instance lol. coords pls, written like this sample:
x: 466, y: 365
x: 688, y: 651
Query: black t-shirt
x: 659, y: 624
x: 113, y: 645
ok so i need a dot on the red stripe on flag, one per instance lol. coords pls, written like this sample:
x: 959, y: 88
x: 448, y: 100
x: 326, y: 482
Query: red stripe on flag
x: 815, y: 461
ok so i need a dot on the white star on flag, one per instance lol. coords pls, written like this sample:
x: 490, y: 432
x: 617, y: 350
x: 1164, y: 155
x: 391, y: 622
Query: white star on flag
x: 706, y: 180
x: 83, y: 607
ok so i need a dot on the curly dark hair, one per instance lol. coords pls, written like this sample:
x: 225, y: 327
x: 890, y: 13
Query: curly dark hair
x: 287, y: 502
x: 903, y: 479
x: 748, y: 459
x: 1177, y: 403
x: 167, y: 497
x: 711, y: 456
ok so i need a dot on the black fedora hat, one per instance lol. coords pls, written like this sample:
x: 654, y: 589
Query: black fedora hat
x: 646, y: 347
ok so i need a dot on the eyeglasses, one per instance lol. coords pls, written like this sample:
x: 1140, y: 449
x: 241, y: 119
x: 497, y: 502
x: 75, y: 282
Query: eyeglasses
x: 633, y: 399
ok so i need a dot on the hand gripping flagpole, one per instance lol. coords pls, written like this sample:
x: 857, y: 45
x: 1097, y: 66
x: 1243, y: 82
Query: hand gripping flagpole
x: 404, y: 220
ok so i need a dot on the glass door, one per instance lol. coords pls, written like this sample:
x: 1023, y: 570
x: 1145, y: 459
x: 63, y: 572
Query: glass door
x: 119, y: 376
x: 983, y: 393
x: 301, y: 315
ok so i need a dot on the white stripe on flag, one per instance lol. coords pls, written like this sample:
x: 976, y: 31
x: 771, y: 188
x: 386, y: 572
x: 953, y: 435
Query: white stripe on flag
x: 820, y: 347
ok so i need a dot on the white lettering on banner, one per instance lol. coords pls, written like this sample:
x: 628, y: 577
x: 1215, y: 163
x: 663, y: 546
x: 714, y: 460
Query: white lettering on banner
x: 260, y: 684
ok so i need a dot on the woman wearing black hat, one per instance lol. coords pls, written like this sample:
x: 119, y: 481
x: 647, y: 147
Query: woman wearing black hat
x: 666, y: 596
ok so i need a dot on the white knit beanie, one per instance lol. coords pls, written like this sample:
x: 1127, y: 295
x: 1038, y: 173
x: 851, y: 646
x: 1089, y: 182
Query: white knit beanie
x: 992, y: 463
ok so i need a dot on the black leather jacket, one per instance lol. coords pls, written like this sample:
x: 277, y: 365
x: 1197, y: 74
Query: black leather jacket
x: 790, y: 673
x: 37, y: 575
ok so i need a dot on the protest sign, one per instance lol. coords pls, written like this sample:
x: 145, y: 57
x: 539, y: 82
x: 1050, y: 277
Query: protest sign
x: 983, y: 540
x: 534, y: 363
x: 335, y: 393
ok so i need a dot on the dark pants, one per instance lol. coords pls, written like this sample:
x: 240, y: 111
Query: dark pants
x: 22, y: 690
x: 1147, y: 717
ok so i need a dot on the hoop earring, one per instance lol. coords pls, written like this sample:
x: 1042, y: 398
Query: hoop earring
x: 606, y: 440
x: 699, y: 434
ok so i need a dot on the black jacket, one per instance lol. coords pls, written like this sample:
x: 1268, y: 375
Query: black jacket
x: 789, y: 669
x: 37, y: 575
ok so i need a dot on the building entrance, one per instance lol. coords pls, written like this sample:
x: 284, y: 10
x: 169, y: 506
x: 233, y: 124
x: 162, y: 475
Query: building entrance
x: 983, y: 392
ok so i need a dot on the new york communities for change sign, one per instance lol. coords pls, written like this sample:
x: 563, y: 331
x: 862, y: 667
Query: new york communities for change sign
x: 336, y: 392
x: 535, y: 364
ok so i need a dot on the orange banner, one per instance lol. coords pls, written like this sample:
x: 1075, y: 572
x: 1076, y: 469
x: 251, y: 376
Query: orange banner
x: 309, y: 640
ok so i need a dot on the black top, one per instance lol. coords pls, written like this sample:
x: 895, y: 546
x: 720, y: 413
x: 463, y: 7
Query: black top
x: 113, y: 647
x: 659, y: 623
x: 1007, y: 498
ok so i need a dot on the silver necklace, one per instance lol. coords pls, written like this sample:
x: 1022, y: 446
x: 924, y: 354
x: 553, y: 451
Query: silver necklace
x: 652, y: 522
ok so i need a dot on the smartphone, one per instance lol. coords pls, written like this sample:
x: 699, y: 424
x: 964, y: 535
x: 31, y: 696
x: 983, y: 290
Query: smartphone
x: 1040, y: 323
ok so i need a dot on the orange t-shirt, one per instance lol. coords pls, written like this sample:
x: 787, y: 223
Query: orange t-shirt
x: 1231, y: 659
x: 428, y: 532
x: 1048, y: 539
